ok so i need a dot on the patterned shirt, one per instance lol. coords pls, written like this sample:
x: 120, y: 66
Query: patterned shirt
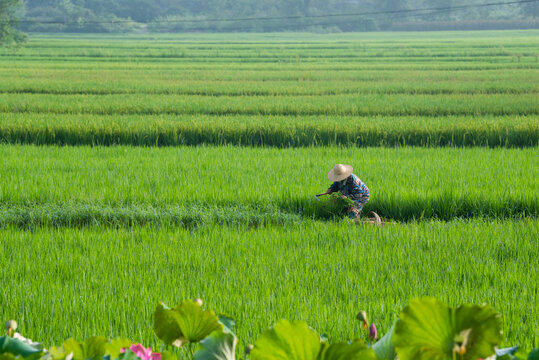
x: 353, y: 188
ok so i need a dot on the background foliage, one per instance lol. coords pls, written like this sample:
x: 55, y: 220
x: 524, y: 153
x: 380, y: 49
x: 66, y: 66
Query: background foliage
x: 187, y: 15
x: 9, y: 21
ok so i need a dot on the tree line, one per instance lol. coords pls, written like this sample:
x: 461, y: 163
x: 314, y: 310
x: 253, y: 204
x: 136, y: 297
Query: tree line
x: 286, y: 15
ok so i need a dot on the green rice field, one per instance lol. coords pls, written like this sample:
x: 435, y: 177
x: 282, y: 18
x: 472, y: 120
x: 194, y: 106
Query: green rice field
x: 445, y: 89
x: 405, y: 183
x: 101, y: 280
x: 145, y: 168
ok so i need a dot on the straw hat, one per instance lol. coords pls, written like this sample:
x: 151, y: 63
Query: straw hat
x: 340, y: 172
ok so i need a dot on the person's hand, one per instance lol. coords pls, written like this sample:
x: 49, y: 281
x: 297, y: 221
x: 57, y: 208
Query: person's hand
x: 343, y: 197
x: 329, y: 191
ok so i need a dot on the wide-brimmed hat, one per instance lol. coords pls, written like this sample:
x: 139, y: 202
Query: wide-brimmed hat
x: 340, y: 172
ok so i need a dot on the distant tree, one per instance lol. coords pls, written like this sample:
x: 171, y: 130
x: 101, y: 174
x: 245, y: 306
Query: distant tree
x: 445, y: 14
x: 530, y: 10
x: 9, y: 21
x: 386, y: 20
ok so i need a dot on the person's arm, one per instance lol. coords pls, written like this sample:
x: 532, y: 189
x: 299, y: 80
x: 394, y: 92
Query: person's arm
x: 333, y: 188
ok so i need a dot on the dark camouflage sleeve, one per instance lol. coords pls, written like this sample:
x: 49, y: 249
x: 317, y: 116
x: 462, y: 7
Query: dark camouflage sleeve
x: 334, y: 187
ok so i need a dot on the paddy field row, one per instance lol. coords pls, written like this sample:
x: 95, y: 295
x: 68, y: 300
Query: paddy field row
x: 337, y: 105
x: 405, y: 183
x: 106, y: 281
x: 373, y: 90
x: 305, y: 47
x: 510, y: 131
x: 272, y: 81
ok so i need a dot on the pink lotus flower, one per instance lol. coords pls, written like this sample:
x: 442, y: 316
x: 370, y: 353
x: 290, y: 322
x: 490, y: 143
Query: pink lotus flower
x: 143, y: 353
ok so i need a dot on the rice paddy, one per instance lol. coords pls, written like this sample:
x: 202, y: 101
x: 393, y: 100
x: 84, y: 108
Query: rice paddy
x: 143, y: 168
x: 99, y: 280
x: 405, y: 183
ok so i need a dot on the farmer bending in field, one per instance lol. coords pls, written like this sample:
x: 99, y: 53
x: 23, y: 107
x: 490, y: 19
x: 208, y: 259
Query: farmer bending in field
x: 350, y: 187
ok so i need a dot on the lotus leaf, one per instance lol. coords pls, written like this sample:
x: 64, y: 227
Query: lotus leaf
x: 430, y: 330
x: 187, y: 322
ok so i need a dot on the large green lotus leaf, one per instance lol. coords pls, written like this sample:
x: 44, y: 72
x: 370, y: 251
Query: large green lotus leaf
x: 486, y: 325
x: 511, y: 353
x: 91, y: 348
x: 430, y: 330
x: 73, y: 346
x: 57, y: 353
x: 17, y: 347
x: 196, y: 324
x: 507, y: 352
x: 128, y: 355
x: 7, y: 356
x: 287, y: 341
x: 115, y: 346
x: 187, y: 322
x: 384, y: 348
x: 166, y: 325
x: 344, y: 351
x: 94, y: 347
x: 218, y: 346
x: 534, y: 354
x: 227, y: 322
